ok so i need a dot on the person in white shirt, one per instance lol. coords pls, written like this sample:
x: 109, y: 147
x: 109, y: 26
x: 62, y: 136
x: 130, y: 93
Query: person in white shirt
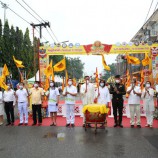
x: 9, y: 104
x: 102, y: 94
x: 148, y: 100
x: 87, y: 93
x: 1, y: 107
x: 70, y: 92
x: 53, y: 101
x: 134, y: 103
x: 23, y: 103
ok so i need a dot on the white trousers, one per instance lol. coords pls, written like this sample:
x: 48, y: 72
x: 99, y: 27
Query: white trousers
x: 134, y: 109
x: 70, y: 116
x: 23, y: 110
x: 149, y: 116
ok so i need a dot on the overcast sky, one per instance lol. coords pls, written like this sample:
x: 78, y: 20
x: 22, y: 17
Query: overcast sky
x: 84, y: 21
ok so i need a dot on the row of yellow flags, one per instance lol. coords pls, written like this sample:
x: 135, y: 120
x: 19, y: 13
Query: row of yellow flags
x: 61, y: 65
x: 5, y: 72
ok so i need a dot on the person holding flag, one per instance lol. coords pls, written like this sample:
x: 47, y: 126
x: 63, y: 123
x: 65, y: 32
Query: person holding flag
x: 148, y: 101
x: 70, y: 92
x: 37, y: 97
x: 88, y: 94
x: 22, y: 98
x: 103, y: 95
x: 134, y: 93
x: 9, y: 104
x: 53, y: 101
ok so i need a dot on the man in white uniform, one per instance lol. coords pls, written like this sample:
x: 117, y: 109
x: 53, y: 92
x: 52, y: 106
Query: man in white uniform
x: 9, y: 104
x: 87, y: 93
x: 134, y: 103
x: 70, y: 92
x: 22, y: 100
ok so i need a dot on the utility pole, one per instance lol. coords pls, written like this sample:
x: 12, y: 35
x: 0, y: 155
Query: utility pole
x: 5, y: 6
x: 40, y: 28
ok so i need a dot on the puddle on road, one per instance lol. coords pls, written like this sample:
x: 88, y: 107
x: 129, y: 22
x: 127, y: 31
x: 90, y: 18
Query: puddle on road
x: 59, y: 136
x: 50, y: 135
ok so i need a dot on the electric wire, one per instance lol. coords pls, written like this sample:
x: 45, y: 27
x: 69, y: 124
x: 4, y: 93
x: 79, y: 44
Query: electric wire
x: 155, y: 6
x: 42, y: 20
x: 148, y: 10
x: 17, y: 14
x: 32, y: 10
x: 50, y: 34
x: 27, y: 10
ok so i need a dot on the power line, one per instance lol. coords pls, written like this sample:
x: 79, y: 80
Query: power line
x: 43, y: 20
x: 54, y: 34
x: 155, y: 6
x: 32, y: 10
x: 50, y: 34
x: 148, y: 11
x: 26, y: 10
x: 17, y: 14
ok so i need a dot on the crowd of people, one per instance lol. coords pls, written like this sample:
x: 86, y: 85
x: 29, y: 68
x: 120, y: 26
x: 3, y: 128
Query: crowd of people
x: 89, y: 94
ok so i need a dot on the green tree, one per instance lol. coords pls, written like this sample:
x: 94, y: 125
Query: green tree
x: 75, y: 67
x: 1, y: 45
x: 27, y: 54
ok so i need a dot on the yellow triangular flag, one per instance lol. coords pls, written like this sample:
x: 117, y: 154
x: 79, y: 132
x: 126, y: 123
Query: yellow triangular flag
x: 106, y: 67
x: 5, y: 71
x: 18, y: 63
x: 2, y: 83
x: 60, y: 66
x: 133, y: 60
x: 48, y: 71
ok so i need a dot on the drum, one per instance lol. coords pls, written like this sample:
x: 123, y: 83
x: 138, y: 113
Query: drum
x: 95, y: 114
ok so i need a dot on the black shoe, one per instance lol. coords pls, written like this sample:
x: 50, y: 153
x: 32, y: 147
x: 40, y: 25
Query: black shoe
x: 39, y: 124
x: 83, y: 125
x: 52, y: 124
x: 8, y: 124
x: 89, y: 125
x: 34, y: 124
x: 120, y: 125
x: 20, y: 124
x: 102, y: 126
x: 68, y: 124
x: 115, y: 125
x: 72, y: 125
x: 12, y: 124
x: 138, y: 126
x: 132, y: 126
x: 26, y: 124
